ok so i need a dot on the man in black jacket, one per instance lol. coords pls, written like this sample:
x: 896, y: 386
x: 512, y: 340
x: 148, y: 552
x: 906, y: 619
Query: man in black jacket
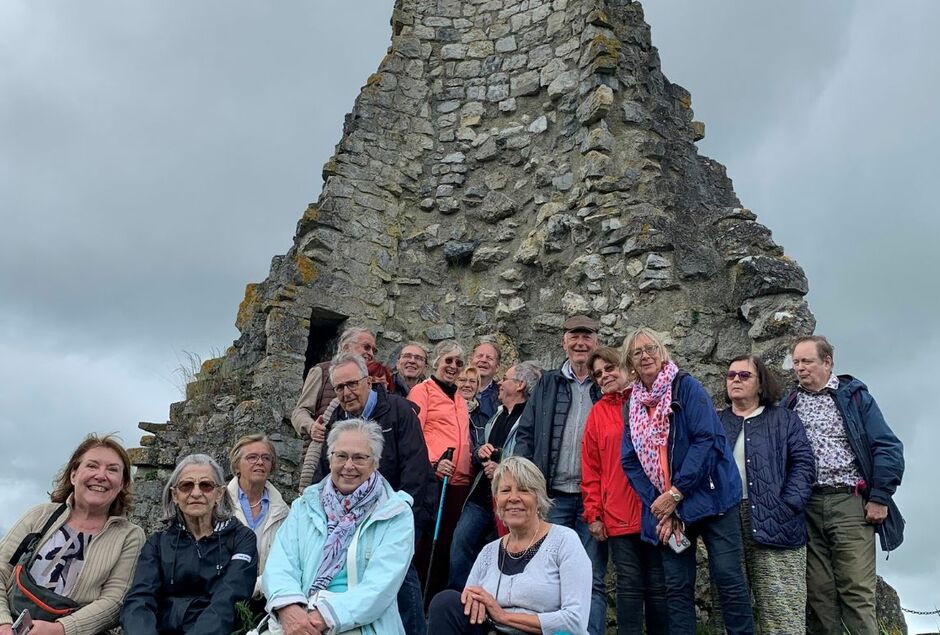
x: 404, y: 462
x: 550, y: 432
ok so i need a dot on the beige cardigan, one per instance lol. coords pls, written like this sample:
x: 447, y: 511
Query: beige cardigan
x: 104, y: 579
x: 277, y: 514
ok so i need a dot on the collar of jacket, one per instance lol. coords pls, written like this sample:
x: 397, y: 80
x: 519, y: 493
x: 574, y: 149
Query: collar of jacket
x: 277, y: 507
x: 394, y: 504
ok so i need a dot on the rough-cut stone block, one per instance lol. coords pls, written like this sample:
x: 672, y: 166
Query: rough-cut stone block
x: 596, y: 105
x: 524, y: 84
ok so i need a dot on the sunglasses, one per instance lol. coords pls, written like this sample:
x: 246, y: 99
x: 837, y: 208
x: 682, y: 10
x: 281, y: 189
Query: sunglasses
x: 743, y: 374
x: 456, y: 361
x: 206, y: 487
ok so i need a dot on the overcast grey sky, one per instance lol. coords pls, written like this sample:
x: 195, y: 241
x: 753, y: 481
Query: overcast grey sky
x: 154, y: 157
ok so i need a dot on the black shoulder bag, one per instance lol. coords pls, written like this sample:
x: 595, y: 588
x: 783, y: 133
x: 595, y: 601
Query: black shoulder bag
x: 25, y: 593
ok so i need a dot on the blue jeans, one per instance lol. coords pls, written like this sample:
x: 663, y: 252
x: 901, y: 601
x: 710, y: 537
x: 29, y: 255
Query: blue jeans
x: 641, y: 587
x: 568, y: 510
x: 475, y: 524
x: 410, y: 603
x: 722, y: 537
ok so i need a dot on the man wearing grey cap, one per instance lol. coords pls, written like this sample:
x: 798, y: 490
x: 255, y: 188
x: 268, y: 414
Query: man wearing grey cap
x: 550, y: 432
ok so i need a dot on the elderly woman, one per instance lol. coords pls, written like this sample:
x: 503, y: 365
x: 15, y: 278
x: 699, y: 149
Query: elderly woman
x: 468, y: 385
x: 612, y: 508
x: 338, y: 561
x: 778, y: 469
x: 536, y: 579
x: 477, y: 524
x: 678, y: 460
x: 79, y: 551
x: 191, y: 574
x: 445, y: 422
x: 258, y: 504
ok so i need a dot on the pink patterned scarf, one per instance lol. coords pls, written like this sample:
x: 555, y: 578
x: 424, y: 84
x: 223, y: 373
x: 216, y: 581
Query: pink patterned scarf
x: 649, y: 433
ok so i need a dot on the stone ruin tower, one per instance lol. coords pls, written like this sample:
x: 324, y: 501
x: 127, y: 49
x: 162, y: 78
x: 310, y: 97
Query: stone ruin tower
x: 510, y: 162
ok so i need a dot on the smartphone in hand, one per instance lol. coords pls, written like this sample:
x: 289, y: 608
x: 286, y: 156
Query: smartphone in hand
x: 23, y: 623
x: 678, y: 545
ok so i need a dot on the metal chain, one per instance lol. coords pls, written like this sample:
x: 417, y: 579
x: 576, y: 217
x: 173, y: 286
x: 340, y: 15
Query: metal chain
x: 934, y: 612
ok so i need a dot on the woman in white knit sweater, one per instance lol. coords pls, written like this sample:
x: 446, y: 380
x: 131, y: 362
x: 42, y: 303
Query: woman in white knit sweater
x: 536, y: 579
x: 258, y: 504
x: 87, y: 552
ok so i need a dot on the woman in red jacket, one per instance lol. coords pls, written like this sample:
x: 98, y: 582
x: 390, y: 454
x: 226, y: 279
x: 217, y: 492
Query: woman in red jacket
x: 611, y: 507
x: 445, y: 423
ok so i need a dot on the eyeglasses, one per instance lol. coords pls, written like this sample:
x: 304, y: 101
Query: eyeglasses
x: 456, y: 361
x: 359, y: 460
x: 259, y: 458
x: 347, y: 385
x: 413, y: 356
x: 186, y: 487
x: 650, y: 349
x: 366, y: 346
x: 743, y: 374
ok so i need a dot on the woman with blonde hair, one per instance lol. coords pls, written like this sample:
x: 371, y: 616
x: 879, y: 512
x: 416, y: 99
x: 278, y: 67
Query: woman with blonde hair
x: 678, y: 460
x: 536, y: 579
x: 257, y: 503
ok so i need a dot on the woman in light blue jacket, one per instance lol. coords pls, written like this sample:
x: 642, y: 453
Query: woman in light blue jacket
x: 338, y: 560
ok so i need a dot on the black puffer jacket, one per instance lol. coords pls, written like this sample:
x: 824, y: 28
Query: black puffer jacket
x: 188, y: 586
x: 780, y: 469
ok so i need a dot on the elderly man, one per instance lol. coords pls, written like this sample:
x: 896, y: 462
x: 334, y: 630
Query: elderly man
x: 318, y: 392
x: 486, y: 357
x: 550, y: 432
x: 410, y: 368
x: 477, y: 525
x: 404, y: 462
x: 859, y: 464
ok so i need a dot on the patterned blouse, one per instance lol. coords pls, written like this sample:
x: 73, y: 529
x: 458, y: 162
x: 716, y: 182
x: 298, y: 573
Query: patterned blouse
x: 835, y: 460
x: 60, y: 559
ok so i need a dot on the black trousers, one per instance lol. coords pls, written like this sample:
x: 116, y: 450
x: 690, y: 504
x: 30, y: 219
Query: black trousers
x: 446, y: 616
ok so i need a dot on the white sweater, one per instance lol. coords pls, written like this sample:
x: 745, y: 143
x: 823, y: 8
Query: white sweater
x: 555, y: 585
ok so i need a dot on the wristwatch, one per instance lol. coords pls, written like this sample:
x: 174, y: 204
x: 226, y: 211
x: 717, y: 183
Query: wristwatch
x: 676, y: 496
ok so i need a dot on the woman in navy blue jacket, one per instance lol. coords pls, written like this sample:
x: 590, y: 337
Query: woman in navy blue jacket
x: 678, y: 460
x: 777, y: 468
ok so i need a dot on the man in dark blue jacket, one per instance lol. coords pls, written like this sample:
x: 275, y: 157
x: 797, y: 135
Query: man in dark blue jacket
x: 859, y: 464
x: 550, y: 431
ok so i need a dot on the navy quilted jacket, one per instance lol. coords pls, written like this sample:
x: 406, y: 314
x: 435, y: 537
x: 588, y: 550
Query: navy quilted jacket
x: 780, y: 469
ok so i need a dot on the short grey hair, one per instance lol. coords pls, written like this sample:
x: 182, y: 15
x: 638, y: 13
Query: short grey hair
x: 528, y: 477
x: 489, y: 342
x: 530, y: 373
x: 424, y: 349
x: 350, y: 334
x: 223, y: 509
x: 342, y: 359
x: 626, y: 356
x: 445, y: 348
x: 368, y: 428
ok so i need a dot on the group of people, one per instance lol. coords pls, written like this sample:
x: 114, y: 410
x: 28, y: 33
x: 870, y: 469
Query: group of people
x: 437, y: 499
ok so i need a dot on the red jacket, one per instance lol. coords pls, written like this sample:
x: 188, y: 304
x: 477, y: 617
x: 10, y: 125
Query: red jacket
x: 605, y: 489
x: 445, y: 423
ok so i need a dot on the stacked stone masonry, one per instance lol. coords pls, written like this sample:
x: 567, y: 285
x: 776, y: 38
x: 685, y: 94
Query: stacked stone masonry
x: 510, y: 163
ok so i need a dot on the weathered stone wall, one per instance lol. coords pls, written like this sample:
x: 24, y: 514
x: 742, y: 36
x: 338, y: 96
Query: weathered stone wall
x: 510, y: 162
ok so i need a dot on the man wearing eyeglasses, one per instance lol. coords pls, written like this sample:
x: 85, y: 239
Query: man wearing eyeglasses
x: 550, y: 431
x: 410, y: 368
x: 318, y: 392
x: 404, y: 462
x: 859, y: 464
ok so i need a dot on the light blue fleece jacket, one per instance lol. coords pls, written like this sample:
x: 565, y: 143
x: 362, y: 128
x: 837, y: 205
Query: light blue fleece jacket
x: 386, y: 545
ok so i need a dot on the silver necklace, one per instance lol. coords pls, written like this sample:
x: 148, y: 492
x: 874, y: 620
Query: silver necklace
x: 525, y: 551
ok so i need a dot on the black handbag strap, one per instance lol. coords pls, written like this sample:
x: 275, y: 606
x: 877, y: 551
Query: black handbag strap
x: 30, y: 540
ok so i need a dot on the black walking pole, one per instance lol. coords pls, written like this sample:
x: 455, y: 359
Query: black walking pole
x: 448, y: 455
